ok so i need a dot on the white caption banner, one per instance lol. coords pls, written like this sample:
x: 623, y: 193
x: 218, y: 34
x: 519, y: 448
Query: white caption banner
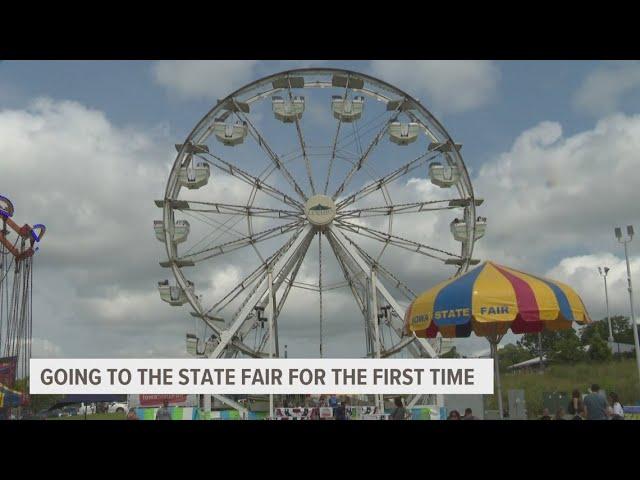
x: 261, y: 376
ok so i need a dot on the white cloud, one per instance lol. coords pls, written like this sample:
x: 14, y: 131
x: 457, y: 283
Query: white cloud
x: 448, y: 86
x: 551, y: 195
x: 93, y: 184
x: 581, y: 272
x: 209, y: 79
x: 604, y: 89
x: 44, y: 348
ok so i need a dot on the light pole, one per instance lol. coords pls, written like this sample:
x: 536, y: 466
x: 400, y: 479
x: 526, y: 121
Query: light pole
x: 625, y: 241
x: 603, y: 272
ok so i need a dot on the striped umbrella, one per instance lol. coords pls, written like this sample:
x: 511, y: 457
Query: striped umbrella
x: 491, y: 299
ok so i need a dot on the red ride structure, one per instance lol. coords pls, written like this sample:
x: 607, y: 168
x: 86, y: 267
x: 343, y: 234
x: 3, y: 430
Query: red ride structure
x: 18, y: 245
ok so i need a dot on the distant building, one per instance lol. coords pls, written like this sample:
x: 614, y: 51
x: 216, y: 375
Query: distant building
x: 621, y: 347
x: 532, y: 363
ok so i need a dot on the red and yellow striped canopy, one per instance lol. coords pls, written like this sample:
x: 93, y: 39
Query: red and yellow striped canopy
x: 489, y: 300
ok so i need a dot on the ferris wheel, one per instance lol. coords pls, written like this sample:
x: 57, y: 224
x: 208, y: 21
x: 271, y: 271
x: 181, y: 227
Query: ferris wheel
x: 319, y: 180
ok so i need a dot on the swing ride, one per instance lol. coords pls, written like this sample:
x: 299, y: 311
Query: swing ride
x: 18, y: 244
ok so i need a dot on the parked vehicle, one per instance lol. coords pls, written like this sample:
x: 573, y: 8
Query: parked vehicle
x: 118, y: 407
x: 44, y: 414
x: 88, y: 409
x: 70, y: 411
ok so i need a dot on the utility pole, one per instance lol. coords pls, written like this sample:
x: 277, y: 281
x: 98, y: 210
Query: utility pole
x: 603, y: 272
x: 625, y: 241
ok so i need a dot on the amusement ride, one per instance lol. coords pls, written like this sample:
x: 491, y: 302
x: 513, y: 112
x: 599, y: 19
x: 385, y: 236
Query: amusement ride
x: 312, y: 164
x: 18, y: 244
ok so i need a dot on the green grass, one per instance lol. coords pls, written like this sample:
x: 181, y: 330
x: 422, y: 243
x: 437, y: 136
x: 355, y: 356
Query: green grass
x: 620, y: 376
x: 96, y: 416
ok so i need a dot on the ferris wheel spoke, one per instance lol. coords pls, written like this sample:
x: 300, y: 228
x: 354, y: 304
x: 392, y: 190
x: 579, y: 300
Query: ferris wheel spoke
x: 289, y: 282
x: 354, y: 273
x: 219, y: 229
x: 335, y: 142
x: 292, y: 264
x: 419, y: 347
x: 287, y: 279
x: 302, y: 142
x: 389, y: 239
x: 348, y: 272
x: 380, y: 183
x: 416, y: 207
x: 399, y: 284
x: 271, y: 154
x: 257, y: 275
x: 363, y: 158
x: 249, y: 179
x: 245, y: 241
x: 320, y: 290
x: 370, y: 126
x: 230, y: 209
x: 257, y: 293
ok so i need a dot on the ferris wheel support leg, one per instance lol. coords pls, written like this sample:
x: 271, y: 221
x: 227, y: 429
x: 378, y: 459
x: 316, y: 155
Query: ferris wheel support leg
x: 271, y: 312
x: 376, y: 328
x: 400, y: 311
x: 226, y: 336
x: 420, y: 346
x: 233, y: 404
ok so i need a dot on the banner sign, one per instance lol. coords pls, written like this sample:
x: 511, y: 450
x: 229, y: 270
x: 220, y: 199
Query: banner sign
x: 632, y: 413
x: 260, y: 376
x: 8, y: 366
x: 157, y: 400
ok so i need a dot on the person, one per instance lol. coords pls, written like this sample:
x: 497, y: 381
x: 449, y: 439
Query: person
x: 333, y: 401
x: 616, y: 411
x: 340, y: 412
x: 576, y: 407
x: 559, y: 414
x: 468, y: 414
x: 545, y: 414
x: 164, y: 413
x: 595, y: 405
x: 132, y: 414
x: 454, y: 415
x: 315, y: 413
x: 347, y: 409
x: 399, y: 413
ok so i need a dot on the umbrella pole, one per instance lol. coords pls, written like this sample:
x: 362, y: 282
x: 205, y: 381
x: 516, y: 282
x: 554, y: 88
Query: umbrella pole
x: 496, y: 366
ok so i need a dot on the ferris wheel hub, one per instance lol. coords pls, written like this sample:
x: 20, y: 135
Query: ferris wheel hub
x: 320, y: 210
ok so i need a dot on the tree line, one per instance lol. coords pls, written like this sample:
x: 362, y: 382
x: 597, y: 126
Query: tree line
x: 587, y: 344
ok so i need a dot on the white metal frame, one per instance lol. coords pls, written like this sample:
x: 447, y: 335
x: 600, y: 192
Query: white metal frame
x: 363, y: 272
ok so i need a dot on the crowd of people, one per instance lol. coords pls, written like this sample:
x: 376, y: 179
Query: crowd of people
x: 594, y: 406
x: 468, y: 415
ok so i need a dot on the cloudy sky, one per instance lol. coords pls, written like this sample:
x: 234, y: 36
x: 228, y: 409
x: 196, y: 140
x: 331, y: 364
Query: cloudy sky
x: 85, y: 147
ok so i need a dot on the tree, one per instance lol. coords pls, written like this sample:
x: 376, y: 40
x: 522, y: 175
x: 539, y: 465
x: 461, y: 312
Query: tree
x: 599, y: 350
x: 567, y: 348
x: 453, y: 353
x: 511, y: 354
x: 36, y: 402
x: 620, y: 325
x: 561, y: 346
